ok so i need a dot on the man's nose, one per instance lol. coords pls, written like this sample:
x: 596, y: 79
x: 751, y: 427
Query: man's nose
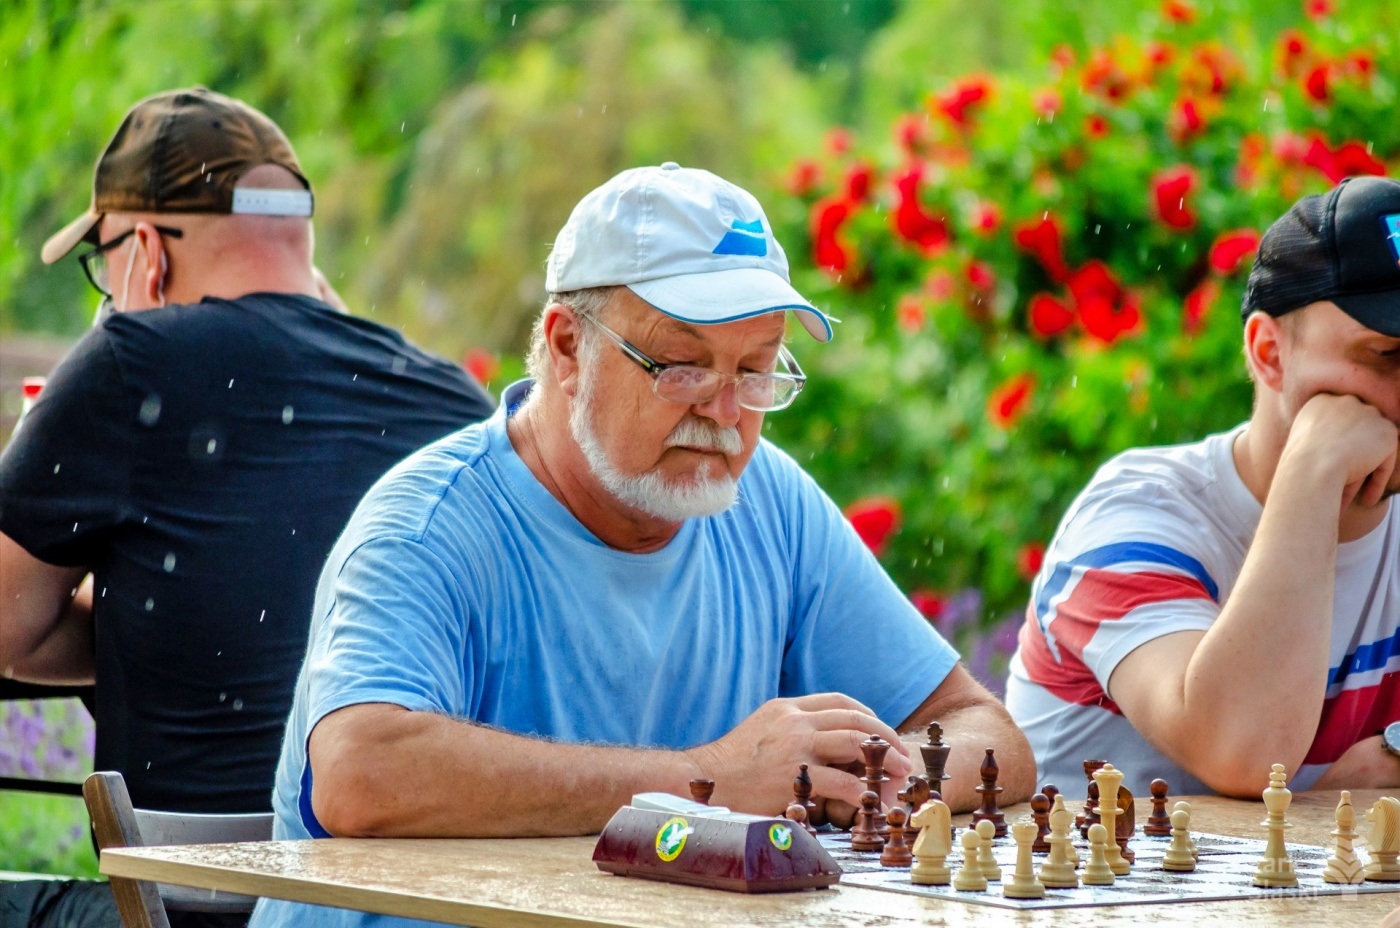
x: 723, y: 408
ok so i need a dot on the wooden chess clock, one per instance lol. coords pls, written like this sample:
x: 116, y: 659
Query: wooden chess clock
x: 665, y: 837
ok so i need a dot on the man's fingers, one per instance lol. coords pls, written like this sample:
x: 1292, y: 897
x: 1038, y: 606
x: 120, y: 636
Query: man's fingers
x: 842, y: 746
x: 816, y: 702
x: 837, y: 787
x: 855, y: 720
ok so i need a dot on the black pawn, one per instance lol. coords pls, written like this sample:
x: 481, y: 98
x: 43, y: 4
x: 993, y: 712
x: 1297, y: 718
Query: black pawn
x: 864, y: 837
x: 797, y: 814
x: 1040, y: 813
x: 1159, y: 822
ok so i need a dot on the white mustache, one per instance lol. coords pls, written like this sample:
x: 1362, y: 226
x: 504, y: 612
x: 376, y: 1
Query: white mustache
x: 698, y: 433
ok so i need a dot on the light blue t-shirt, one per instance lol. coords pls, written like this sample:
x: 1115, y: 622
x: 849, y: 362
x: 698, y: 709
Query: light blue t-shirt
x: 462, y: 586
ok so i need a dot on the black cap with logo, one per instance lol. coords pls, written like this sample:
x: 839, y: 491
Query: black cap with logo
x: 1342, y: 246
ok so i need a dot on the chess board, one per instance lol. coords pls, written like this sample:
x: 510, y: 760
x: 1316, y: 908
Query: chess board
x: 1224, y: 871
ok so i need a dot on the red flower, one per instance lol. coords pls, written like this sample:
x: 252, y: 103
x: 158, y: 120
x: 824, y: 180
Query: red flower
x: 1318, y: 10
x: 909, y: 132
x: 838, y: 141
x: 958, y: 101
x: 1179, y: 11
x: 1047, y: 102
x: 1345, y: 160
x: 939, y: 285
x: 857, y: 181
x: 1186, y: 120
x: 986, y: 218
x: 911, y: 313
x: 1009, y: 401
x: 1232, y: 248
x: 1360, y: 64
x: 1095, y: 126
x: 828, y: 252
x: 481, y: 364
x: 1293, y: 149
x: 1252, y: 149
x: 1043, y: 240
x: 1318, y: 83
x: 1049, y: 317
x: 1198, y: 303
x: 1104, y: 77
x: 875, y: 519
x: 1062, y: 57
x: 804, y: 177
x: 1170, y: 189
x: 930, y: 605
x: 1029, y: 560
x: 1293, y: 52
x: 980, y: 275
x: 910, y: 220
x: 1160, y: 54
x: 1106, y: 310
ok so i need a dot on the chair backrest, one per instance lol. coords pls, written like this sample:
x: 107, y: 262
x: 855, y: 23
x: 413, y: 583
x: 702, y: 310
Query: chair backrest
x: 116, y: 824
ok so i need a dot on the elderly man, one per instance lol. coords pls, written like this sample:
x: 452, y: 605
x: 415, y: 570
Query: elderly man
x: 614, y: 585
x: 196, y: 461
x: 1208, y: 610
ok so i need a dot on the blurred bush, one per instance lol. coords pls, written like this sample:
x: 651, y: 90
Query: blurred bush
x: 1037, y: 270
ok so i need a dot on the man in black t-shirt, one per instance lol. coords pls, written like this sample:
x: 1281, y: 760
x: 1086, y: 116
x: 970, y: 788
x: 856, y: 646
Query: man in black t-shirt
x: 188, y: 466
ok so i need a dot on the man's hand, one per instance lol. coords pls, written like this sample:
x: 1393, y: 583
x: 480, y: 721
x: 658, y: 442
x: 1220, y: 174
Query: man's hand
x: 1364, y: 765
x: 753, y: 766
x: 1342, y: 437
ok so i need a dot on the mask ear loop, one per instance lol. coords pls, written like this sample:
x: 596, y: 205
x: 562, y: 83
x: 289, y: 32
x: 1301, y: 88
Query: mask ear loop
x: 160, y: 285
x: 126, y: 278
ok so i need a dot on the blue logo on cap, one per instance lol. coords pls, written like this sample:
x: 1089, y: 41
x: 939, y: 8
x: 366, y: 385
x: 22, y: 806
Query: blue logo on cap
x: 1392, y: 229
x: 747, y: 238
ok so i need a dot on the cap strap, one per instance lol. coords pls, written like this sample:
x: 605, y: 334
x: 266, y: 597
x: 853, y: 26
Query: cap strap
x: 260, y: 202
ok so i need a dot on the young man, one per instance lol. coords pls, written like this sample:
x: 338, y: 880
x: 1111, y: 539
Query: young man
x: 196, y: 460
x: 614, y: 585
x: 1207, y: 610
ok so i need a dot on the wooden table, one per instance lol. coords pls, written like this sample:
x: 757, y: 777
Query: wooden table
x: 510, y: 883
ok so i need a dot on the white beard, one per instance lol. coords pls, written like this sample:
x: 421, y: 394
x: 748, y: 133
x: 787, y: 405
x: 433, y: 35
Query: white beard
x: 650, y: 492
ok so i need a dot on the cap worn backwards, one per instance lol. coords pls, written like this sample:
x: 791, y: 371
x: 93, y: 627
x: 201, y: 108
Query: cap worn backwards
x: 184, y: 151
x: 1342, y: 246
x: 691, y: 244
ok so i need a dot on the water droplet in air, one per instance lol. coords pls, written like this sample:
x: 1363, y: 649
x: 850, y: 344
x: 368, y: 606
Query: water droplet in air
x: 238, y: 705
x: 150, y: 410
x: 223, y: 697
x: 287, y: 415
x: 170, y: 562
x: 150, y: 604
x: 212, y: 446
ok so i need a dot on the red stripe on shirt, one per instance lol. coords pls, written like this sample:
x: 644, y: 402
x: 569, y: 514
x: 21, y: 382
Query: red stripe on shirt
x: 1104, y: 595
x: 1352, y: 715
x: 1068, y: 678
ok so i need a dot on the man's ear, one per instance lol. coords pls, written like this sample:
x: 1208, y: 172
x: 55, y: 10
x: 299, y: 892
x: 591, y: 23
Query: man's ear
x: 152, y: 248
x: 1264, y: 348
x: 562, y: 328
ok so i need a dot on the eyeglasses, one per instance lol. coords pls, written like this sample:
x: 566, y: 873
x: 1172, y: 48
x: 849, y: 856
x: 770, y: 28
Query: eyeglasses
x: 95, y: 262
x: 688, y: 385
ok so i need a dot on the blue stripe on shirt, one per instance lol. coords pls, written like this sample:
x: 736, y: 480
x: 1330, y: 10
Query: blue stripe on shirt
x: 1371, y: 656
x: 1124, y: 552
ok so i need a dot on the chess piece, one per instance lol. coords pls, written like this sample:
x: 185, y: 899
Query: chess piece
x: 1344, y: 866
x: 1109, y: 778
x: 933, y: 846
x: 1040, y: 814
x: 896, y: 853
x: 1178, y: 856
x: 916, y: 792
x: 874, y: 750
x: 1125, y: 824
x: 1185, y: 806
x: 864, y: 836
x: 1058, y: 870
x: 1158, y: 823
x: 989, y: 791
x: 935, y: 754
x: 1384, y: 841
x: 969, y: 878
x: 1023, y: 883
x: 1097, y: 872
x: 1051, y: 791
x: 797, y: 814
x: 985, y: 858
x: 1275, y: 868
x: 802, y: 792
x: 701, y: 790
x: 1091, y: 802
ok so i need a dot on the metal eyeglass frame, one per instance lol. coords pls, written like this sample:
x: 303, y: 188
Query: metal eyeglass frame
x: 655, y: 368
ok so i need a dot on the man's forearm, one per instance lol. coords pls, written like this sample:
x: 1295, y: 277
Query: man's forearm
x: 65, y: 656
x: 388, y: 772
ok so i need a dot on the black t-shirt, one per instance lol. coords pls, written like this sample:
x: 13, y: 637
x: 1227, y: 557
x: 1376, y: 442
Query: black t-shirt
x: 202, y: 460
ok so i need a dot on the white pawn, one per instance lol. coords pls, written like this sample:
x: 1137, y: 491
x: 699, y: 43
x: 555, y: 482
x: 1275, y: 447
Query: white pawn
x: 1058, y: 870
x: 985, y: 858
x: 1097, y: 872
x: 1178, y: 857
x: 1023, y: 884
x: 1185, y: 806
x: 932, y: 847
x: 1344, y: 866
x: 969, y: 878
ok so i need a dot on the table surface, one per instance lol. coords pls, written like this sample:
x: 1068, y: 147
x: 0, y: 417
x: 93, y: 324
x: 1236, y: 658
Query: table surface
x: 510, y: 883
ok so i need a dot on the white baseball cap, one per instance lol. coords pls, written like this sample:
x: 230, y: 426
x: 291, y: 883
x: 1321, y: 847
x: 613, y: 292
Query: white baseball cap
x: 691, y: 244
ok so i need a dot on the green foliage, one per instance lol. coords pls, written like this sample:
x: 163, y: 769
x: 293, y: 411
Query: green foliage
x: 49, y: 739
x: 942, y: 390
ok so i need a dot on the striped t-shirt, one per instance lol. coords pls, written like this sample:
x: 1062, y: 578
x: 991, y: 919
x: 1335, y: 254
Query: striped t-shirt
x: 1154, y: 546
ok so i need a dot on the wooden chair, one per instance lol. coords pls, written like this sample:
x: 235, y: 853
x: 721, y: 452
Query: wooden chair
x: 116, y: 824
